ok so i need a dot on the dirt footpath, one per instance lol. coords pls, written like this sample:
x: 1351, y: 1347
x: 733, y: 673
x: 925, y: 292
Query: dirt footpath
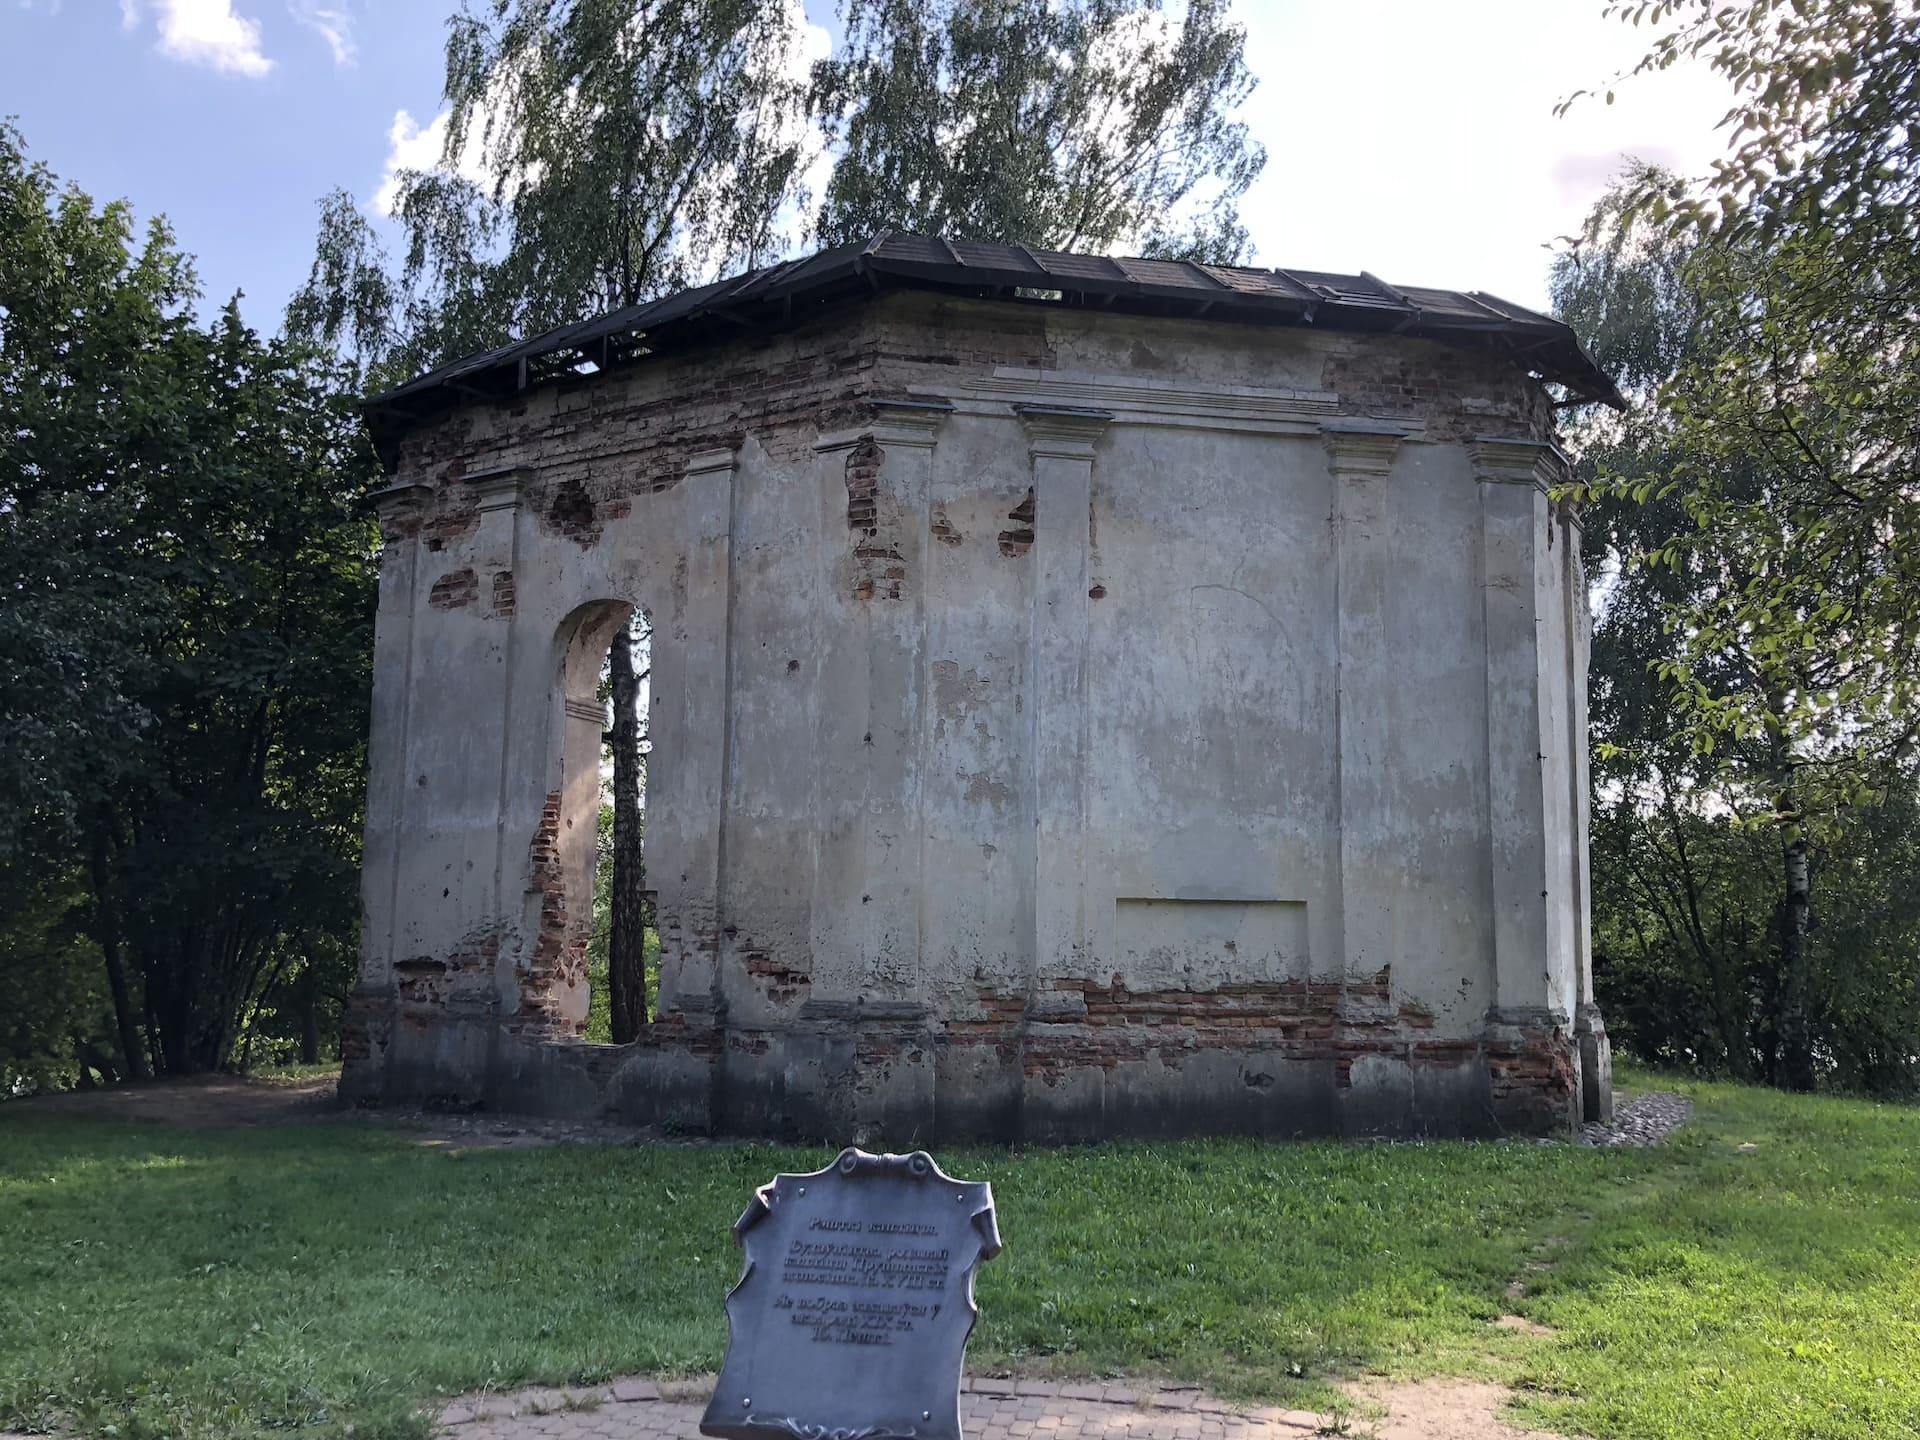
x: 206, y: 1102
x: 227, y: 1102
x: 1003, y: 1409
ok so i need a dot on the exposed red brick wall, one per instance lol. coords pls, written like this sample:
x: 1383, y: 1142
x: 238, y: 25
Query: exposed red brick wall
x: 454, y: 518
x: 558, y: 957
x: 364, y: 1031
x: 1534, y: 1076
x: 879, y: 571
x: 453, y: 590
x: 782, y: 979
x: 570, y: 511
x: 863, y: 467
x: 1019, y: 540
x: 1304, y: 1020
x: 1435, y: 384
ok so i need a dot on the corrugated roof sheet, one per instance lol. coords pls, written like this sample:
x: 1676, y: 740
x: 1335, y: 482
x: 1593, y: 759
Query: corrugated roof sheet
x: 778, y: 295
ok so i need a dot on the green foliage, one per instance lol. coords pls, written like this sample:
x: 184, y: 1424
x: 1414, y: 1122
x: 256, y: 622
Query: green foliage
x: 88, y: 326
x: 629, y: 149
x: 184, y: 652
x: 1764, y: 672
x: 1063, y: 124
x: 1697, y: 1291
x: 1689, y: 816
x: 1687, y: 964
x: 600, y: 1003
x: 1789, y: 417
x: 53, y: 994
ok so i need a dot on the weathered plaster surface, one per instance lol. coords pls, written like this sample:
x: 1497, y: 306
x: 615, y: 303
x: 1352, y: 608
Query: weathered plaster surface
x: 1064, y: 724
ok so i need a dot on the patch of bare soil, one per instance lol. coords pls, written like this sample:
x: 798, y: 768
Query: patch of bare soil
x: 1436, y: 1410
x: 478, y: 1130
x: 1520, y: 1325
x: 206, y: 1102
x: 227, y: 1102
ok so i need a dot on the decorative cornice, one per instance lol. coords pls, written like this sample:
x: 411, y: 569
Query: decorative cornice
x: 392, y: 499
x: 498, y: 488
x: 1133, y: 400
x: 910, y: 424
x: 1509, y: 460
x: 1066, y: 432
x: 722, y: 461
x: 1362, y: 449
x: 587, y: 710
x: 1517, y: 1022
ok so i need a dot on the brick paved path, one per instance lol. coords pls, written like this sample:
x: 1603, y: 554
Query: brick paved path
x: 992, y: 1410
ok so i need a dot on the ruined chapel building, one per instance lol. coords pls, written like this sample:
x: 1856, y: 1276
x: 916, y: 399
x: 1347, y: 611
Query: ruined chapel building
x: 1090, y: 697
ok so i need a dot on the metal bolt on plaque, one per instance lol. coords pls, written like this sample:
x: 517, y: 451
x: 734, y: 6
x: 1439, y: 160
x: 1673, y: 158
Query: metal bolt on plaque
x: 851, y: 1315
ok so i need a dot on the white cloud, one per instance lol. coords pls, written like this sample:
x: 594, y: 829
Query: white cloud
x: 1435, y: 156
x: 331, y: 23
x: 413, y: 146
x: 202, y: 32
x: 816, y: 161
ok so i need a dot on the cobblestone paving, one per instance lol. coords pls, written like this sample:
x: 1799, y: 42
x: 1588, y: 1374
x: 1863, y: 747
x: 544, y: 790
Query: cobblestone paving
x: 1644, y: 1120
x: 991, y: 1410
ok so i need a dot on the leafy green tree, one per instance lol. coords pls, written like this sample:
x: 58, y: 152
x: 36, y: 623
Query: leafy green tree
x: 1697, y: 953
x: 1064, y: 124
x: 55, y: 1014
x: 1792, y: 448
x: 630, y: 148
x: 185, y: 648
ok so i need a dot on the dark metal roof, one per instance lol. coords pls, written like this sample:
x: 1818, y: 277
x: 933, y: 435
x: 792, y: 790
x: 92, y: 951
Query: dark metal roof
x: 780, y: 295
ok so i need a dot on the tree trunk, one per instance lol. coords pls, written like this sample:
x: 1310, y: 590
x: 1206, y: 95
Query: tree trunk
x: 309, y: 1002
x: 133, y: 1053
x: 626, y: 942
x: 1796, y: 1025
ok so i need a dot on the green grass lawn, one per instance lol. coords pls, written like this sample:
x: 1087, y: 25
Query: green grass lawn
x: 308, y: 1278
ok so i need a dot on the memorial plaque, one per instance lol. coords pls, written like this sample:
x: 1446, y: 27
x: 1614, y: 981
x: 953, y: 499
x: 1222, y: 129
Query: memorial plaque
x: 852, y: 1313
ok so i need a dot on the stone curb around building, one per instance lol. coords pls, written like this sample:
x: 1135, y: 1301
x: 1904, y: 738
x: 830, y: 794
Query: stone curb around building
x: 995, y: 1408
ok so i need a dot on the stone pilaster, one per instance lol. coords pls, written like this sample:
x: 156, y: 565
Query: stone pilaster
x: 1060, y: 444
x: 1533, y: 903
x: 1360, y: 454
x: 1589, y: 1028
x: 692, y: 725
x: 876, y: 484
x: 495, y: 550
x: 401, y: 509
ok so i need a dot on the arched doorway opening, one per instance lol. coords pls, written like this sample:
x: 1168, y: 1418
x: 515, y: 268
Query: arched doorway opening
x: 623, y: 955
x: 599, y: 915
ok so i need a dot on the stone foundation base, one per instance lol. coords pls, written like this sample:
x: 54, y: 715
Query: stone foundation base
x: 884, y: 1083
x: 1596, y: 1066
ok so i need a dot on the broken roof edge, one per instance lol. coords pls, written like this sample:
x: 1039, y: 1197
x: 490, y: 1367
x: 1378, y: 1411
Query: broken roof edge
x: 776, y: 296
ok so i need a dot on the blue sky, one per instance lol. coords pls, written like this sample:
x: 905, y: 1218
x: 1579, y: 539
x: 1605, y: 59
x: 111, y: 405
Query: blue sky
x: 1411, y: 138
